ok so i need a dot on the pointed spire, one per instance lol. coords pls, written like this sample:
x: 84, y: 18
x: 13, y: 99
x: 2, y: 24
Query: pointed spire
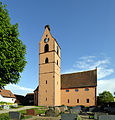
x: 47, y: 26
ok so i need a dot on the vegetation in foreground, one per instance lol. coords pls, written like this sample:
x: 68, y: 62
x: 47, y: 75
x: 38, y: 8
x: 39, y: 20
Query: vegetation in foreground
x: 12, y: 50
x: 5, y: 116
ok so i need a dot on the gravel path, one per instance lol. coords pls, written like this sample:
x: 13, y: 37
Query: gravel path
x: 17, y: 109
x: 43, y: 118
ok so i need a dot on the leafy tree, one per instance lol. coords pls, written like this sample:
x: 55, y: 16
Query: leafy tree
x: 12, y: 50
x: 105, y: 97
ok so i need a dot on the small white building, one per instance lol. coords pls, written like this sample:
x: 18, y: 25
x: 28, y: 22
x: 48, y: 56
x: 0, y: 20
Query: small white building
x: 7, y: 96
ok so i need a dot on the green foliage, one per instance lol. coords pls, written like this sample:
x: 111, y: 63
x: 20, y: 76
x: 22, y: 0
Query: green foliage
x: 12, y: 50
x: 4, y: 116
x: 105, y: 97
x: 37, y: 111
x: 26, y: 117
x: 79, y: 118
x: 6, y: 103
x: 91, y: 117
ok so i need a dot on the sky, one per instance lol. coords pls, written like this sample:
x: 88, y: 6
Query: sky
x: 84, y: 29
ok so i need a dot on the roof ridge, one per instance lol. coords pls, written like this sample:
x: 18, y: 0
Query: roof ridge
x: 79, y: 72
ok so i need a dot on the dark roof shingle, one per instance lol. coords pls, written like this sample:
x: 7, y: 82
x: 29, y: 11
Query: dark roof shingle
x: 79, y: 79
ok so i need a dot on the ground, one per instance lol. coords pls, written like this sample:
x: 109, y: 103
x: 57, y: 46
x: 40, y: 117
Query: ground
x: 38, y: 111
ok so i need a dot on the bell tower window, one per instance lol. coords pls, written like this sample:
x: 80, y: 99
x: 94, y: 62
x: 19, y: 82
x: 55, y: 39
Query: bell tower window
x: 57, y: 50
x: 46, y: 48
x: 57, y: 62
x: 46, y: 60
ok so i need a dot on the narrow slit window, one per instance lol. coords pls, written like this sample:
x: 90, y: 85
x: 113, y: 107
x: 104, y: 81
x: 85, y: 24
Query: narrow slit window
x: 77, y: 100
x: 87, y: 100
x: 57, y: 50
x: 57, y: 62
x: 46, y: 60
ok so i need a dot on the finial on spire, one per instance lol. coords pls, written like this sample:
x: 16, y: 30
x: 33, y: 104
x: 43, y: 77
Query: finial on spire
x: 47, y: 26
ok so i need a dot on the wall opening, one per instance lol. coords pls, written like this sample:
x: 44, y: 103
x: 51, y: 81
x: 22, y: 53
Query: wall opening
x: 87, y: 100
x: 57, y: 50
x: 57, y: 62
x: 46, y: 48
x: 46, y: 60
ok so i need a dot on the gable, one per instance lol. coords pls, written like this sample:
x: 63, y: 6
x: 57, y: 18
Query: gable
x: 50, y: 41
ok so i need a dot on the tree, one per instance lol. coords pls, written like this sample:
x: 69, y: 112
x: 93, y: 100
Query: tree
x: 105, y: 97
x: 12, y: 50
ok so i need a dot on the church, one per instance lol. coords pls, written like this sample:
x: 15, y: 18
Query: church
x: 56, y: 89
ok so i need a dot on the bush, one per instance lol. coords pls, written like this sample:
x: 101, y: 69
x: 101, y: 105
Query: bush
x: 4, y: 116
x: 79, y: 118
x: 91, y: 117
x: 105, y: 97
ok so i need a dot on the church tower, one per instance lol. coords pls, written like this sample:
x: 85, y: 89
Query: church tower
x: 49, y: 70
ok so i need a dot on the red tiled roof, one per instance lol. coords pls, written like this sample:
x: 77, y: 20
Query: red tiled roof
x: 79, y: 79
x: 6, y: 93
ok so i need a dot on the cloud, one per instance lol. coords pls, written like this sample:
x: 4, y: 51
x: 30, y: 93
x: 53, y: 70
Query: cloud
x: 91, y: 62
x: 103, y: 71
x: 16, y: 89
x: 106, y: 85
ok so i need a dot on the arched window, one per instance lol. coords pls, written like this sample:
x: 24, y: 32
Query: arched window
x: 46, y: 81
x: 57, y: 62
x: 46, y: 60
x: 57, y: 50
x: 46, y: 48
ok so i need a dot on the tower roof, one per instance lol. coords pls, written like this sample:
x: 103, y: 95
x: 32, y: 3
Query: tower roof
x: 47, y: 26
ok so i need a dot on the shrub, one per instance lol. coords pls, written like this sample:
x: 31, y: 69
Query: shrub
x: 4, y: 116
x: 79, y: 118
x: 105, y: 97
x: 91, y: 117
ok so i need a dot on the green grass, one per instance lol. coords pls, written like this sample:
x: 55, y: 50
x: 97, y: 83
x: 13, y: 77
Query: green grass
x: 26, y: 117
x: 19, y: 106
x: 5, y: 116
x: 37, y: 111
x: 91, y: 117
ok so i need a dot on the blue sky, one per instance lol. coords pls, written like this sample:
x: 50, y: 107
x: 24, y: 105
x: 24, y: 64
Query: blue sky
x: 85, y: 30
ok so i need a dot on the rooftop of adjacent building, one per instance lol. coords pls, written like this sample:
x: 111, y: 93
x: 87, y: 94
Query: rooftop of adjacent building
x: 6, y: 93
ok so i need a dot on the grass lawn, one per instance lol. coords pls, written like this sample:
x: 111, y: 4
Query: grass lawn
x: 37, y: 111
x: 5, y: 116
x: 19, y: 106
